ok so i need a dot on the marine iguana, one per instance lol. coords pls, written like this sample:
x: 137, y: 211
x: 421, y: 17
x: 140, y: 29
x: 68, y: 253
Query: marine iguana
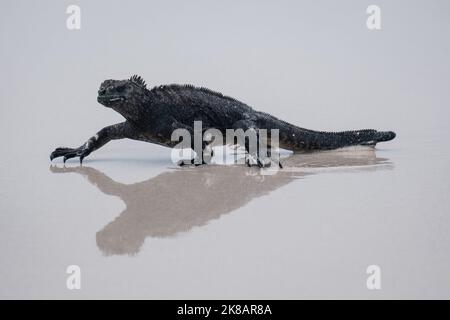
x: 152, y: 116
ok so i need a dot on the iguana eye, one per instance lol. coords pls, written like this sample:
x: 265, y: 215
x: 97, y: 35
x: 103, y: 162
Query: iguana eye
x: 120, y: 88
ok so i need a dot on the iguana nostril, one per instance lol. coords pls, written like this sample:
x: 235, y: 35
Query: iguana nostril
x: 101, y: 92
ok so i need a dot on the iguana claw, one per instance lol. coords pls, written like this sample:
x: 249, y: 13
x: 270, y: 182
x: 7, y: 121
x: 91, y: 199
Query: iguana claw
x: 69, y: 153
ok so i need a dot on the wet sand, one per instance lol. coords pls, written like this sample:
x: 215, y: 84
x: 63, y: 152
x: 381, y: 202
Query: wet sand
x: 181, y: 199
x: 221, y: 231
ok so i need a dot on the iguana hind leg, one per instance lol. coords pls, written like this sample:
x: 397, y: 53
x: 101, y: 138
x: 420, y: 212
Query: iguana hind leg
x: 254, y: 156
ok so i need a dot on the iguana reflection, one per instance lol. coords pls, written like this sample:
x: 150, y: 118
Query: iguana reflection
x: 178, y: 200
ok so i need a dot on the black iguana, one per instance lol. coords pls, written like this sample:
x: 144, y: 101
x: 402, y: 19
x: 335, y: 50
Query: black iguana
x: 152, y: 116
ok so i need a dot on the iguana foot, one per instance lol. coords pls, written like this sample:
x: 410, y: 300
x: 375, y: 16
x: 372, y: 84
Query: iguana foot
x: 182, y: 163
x: 69, y: 153
x: 261, y: 163
x: 255, y: 161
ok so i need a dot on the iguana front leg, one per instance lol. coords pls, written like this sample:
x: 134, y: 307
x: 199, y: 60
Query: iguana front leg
x: 113, y: 132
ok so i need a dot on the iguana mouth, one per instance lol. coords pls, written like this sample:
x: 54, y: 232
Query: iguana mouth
x: 110, y: 98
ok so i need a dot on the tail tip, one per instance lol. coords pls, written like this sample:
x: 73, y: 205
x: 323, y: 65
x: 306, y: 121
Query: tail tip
x: 386, y: 136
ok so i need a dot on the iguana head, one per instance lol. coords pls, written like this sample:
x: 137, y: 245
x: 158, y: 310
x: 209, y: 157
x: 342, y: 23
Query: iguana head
x: 124, y: 96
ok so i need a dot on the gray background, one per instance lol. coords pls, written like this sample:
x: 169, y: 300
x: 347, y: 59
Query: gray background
x: 313, y: 63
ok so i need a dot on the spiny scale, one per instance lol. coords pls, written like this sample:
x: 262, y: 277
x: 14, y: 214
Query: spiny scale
x: 138, y: 80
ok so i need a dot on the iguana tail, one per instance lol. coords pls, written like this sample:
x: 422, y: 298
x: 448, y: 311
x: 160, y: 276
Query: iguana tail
x: 304, y: 140
x: 295, y: 138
